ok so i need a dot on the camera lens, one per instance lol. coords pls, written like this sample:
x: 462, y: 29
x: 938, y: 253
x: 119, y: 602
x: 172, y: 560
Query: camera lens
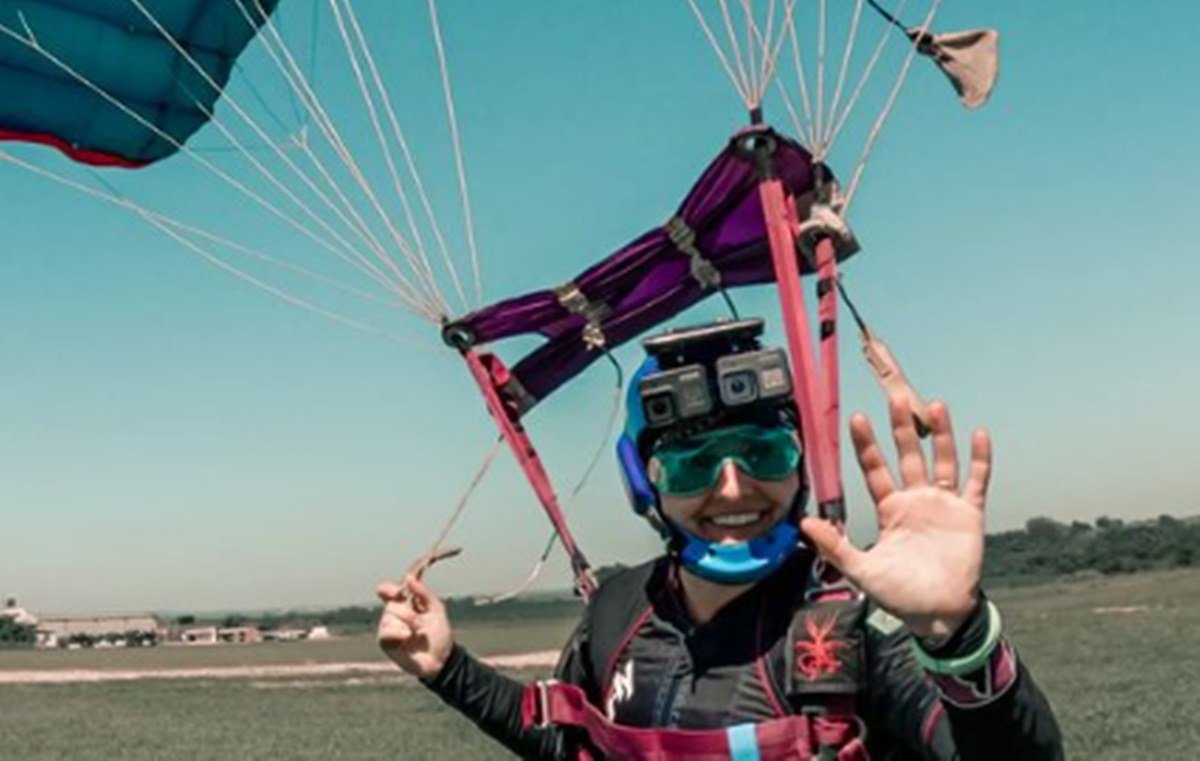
x: 660, y: 409
x: 739, y: 388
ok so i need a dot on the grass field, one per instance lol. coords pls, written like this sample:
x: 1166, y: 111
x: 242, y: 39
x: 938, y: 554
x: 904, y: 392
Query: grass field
x: 1119, y: 658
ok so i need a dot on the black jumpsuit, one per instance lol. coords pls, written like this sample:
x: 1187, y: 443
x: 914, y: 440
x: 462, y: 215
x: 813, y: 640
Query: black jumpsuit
x: 742, y: 666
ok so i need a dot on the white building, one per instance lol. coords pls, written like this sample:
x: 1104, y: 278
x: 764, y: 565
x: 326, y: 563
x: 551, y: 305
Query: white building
x: 92, y: 630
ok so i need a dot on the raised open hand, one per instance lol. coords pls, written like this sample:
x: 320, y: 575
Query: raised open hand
x: 925, y: 564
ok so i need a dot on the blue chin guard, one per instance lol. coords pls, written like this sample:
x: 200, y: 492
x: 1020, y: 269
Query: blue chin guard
x: 742, y: 562
x: 739, y: 563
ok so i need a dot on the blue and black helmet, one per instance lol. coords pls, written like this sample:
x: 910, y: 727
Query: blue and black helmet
x: 698, y: 380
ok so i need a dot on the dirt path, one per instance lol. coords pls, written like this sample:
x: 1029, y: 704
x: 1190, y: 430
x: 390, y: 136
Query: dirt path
x: 542, y: 659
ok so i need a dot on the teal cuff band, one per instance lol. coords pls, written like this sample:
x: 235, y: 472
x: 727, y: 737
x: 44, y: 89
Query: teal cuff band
x: 963, y: 664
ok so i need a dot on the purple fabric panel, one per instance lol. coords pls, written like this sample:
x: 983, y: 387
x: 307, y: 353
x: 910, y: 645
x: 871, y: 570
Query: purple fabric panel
x: 563, y: 357
x: 649, y: 281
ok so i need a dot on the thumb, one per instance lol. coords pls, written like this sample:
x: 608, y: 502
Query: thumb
x: 832, y: 545
x: 423, y: 598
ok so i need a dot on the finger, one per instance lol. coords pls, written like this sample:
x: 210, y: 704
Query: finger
x: 870, y: 458
x: 833, y: 545
x: 945, y: 454
x: 908, y: 444
x: 387, y: 591
x: 393, y: 631
x: 423, y: 599
x: 980, y: 472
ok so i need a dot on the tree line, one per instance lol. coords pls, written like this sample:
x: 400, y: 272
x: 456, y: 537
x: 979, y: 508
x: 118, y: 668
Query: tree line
x: 1046, y: 548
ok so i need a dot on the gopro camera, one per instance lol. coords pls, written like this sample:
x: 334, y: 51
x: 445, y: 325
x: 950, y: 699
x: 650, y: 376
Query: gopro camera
x: 705, y: 369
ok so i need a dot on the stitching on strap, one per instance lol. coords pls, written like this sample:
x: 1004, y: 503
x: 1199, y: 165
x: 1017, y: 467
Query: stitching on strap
x: 572, y: 299
x: 684, y: 239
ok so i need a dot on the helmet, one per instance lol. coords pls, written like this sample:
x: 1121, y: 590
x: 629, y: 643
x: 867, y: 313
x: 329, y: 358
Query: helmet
x: 694, y: 381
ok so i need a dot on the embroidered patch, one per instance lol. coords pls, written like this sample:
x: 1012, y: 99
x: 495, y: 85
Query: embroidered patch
x: 818, y: 655
x: 621, y: 690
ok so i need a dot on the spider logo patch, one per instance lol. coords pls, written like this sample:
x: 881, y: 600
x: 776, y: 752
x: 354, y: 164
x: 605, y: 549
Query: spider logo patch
x: 817, y: 656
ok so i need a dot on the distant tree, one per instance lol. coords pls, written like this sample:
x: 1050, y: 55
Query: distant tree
x: 12, y: 633
x: 186, y: 619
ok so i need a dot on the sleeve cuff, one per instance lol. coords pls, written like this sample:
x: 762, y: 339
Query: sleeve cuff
x: 454, y: 662
x: 969, y: 649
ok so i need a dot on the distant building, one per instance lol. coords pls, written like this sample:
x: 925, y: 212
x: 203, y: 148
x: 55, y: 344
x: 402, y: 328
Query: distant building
x: 90, y: 631
x: 239, y: 635
x: 17, y: 614
x: 201, y: 635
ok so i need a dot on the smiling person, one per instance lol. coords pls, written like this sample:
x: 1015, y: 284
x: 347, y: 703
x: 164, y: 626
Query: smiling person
x: 762, y: 633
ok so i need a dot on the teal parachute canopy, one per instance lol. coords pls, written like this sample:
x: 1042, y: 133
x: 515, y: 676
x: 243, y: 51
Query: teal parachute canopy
x: 65, y: 65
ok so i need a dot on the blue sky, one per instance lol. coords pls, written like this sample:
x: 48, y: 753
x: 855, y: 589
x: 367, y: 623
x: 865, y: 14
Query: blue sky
x: 172, y: 439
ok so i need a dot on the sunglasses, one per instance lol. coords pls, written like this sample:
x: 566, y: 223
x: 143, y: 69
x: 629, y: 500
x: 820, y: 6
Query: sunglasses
x: 692, y: 466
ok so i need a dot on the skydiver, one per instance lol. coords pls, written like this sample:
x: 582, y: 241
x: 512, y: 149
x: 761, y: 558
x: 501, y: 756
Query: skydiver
x: 751, y: 638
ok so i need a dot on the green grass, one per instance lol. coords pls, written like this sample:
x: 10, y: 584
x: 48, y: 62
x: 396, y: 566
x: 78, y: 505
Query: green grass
x: 1124, y: 685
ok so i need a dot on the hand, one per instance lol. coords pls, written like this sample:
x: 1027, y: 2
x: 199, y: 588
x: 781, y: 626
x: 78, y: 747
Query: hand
x: 414, y: 630
x: 924, y: 567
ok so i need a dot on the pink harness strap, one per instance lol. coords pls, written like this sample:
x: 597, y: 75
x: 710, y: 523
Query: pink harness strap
x: 791, y: 738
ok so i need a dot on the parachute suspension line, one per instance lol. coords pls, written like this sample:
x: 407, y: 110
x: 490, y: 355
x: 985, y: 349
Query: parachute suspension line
x: 614, y: 415
x: 410, y: 161
x: 294, y: 76
x: 420, y: 261
x: 459, y: 163
x: 491, y: 376
x: 168, y: 224
x: 120, y: 199
x: 259, y: 99
x: 884, y: 38
x: 802, y: 82
x: 877, y: 128
x: 822, y: 23
x: 364, y: 233
x: 843, y: 70
x: 738, y: 58
x: 313, y: 48
x: 753, y: 67
x: 31, y: 42
x: 243, y: 275
x: 300, y: 87
x: 460, y: 506
x: 772, y: 46
x: 738, y: 85
x: 751, y: 45
x: 362, y: 229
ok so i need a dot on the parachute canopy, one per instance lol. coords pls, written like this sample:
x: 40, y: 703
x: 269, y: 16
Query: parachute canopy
x: 59, y: 59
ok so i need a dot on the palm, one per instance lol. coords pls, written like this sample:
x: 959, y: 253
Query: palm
x: 925, y: 564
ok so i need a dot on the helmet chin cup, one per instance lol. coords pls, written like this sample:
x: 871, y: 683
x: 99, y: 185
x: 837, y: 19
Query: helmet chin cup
x: 739, y: 563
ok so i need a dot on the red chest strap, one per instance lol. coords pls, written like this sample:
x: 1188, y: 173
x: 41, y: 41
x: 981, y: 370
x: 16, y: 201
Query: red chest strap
x: 794, y: 738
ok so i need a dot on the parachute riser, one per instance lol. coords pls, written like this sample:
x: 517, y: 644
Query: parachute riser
x: 819, y: 407
x: 490, y: 375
